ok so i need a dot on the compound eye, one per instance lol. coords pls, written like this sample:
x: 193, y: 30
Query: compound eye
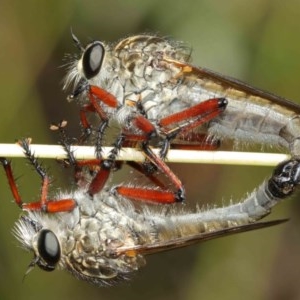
x: 49, y: 250
x: 92, y: 59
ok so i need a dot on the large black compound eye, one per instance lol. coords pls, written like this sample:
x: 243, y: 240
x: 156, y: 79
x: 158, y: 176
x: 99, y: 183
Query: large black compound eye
x: 92, y: 59
x: 49, y: 250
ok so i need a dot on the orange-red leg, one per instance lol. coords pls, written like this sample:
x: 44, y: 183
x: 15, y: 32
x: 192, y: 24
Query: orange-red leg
x: 182, y: 122
x: 96, y: 96
x: 146, y: 194
x: 188, y: 119
x: 44, y: 204
x: 198, y: 111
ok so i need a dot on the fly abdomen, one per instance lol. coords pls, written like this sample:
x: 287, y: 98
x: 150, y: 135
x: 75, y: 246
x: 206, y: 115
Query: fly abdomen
x: 257, y: 120
x: 291, y: 133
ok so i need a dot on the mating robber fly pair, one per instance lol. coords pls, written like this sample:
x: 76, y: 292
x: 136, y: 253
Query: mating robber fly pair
x: 148, y: 86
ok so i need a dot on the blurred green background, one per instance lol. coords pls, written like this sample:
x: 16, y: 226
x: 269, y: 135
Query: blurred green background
x: 255, y: 41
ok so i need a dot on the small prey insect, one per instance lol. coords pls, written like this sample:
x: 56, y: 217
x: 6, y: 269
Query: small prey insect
x: 149, y: 86
x: 104, y: 238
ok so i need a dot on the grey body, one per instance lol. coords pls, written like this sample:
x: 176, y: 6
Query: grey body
x: 105, y: 238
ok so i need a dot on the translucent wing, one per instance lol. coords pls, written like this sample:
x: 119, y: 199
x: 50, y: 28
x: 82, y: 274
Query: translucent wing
x: 190, y: 240
x: 222, y: 82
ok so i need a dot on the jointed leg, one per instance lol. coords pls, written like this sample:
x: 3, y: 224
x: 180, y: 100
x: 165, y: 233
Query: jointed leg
x: 198, y: 114
x: 44, y: 204
x: 185, y: 121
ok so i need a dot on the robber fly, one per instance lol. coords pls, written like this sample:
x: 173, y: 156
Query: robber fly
x: 104, y: 238
x: 149, y: 86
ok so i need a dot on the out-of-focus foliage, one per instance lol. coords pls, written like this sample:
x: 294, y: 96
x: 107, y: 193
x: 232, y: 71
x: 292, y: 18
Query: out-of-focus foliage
x: 255, y: 41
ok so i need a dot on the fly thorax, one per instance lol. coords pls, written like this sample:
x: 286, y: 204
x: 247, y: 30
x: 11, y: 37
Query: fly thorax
x: 95, y: 256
